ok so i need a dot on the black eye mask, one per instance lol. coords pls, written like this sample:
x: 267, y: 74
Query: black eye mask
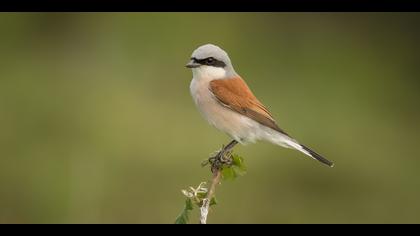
x: 209, y: 61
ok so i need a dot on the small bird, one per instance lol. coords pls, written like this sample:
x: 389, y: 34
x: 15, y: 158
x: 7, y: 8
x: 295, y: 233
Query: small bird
x: 227, y: 103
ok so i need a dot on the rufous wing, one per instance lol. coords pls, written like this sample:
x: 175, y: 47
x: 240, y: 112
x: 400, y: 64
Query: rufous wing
x: 235, y: 94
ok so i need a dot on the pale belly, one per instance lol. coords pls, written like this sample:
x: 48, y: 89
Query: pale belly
x: 237, y: 126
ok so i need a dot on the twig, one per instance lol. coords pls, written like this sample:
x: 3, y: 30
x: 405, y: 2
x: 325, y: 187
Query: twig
x: 204, y: 209
x: 216, y: 169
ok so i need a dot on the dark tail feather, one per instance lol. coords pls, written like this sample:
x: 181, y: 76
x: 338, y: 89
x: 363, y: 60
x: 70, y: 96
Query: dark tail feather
x: 317, y: 156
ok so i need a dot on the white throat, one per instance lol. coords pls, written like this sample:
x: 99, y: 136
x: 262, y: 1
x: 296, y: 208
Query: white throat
x: 209, y: 72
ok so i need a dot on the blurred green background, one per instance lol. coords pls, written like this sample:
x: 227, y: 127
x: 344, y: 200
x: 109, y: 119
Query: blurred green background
x: 97, y: 124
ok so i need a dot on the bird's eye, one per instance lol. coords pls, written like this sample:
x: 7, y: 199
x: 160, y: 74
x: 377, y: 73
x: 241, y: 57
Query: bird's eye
x: 210, y: 60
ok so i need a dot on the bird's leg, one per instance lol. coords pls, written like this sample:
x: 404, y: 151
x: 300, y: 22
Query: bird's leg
x: 223, y: 157
x: 225, y: 154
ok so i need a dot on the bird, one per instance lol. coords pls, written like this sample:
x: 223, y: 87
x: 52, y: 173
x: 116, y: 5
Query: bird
x: 227, y: 103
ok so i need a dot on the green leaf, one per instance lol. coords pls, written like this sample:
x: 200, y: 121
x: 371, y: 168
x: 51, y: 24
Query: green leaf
x: 238, y: 165
x: 213, y: 201
x: 228, y: 173
x: 201, y: 195
x: 239, y: 161
x: 237, y: 168
x: 189, y: 205
x: 184, y: 217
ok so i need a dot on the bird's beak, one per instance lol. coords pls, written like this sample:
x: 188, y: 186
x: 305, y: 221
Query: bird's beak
x: 192, y: 64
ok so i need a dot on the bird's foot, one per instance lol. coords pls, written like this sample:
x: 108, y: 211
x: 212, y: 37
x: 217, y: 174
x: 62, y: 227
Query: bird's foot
x: 220, y: 159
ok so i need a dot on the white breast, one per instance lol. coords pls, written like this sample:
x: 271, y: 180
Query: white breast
x: 237, y: 126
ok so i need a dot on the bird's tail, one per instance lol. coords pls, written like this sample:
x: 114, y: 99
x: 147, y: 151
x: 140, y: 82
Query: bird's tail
x: 316, y: 156
x: 288, y: 142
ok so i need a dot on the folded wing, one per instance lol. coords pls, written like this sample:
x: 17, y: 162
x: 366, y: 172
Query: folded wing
x: 235, y: 94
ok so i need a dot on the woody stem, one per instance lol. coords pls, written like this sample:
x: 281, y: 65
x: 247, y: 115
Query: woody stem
x: 217, y: 174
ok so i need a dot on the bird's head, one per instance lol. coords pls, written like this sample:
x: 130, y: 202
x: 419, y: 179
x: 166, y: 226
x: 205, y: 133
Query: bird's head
x: 211, y: 61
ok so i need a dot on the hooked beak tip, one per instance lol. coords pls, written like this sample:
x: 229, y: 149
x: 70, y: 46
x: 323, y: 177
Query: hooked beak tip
x: 192, y: 64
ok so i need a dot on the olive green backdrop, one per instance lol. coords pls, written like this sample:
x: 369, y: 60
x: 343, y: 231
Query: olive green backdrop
x: 97, y: 124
